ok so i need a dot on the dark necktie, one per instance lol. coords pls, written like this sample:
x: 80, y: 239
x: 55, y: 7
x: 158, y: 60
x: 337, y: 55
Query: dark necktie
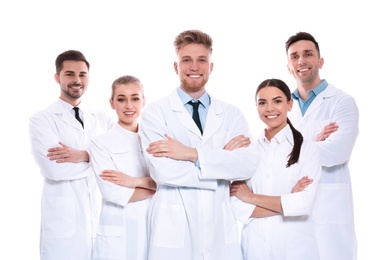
x: 195, y: 114
x: 77, y: 115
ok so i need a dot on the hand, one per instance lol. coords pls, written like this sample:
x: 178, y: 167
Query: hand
x: 327, y: 131
x: 302, y: 184
x: 237, y: 142
x: 173, y: 149
x: 241, y: 190
x: 119, y: 178
x: 66, y: 153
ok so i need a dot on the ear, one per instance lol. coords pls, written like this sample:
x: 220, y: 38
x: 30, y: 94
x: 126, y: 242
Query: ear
x: 111, y: 103
x: 321, y: 63
x: 211, y: 66
x: 143, y: 101
x: 57, y: 78
x: 290, y: 104
x: 175, y: 67
x: 289, y: 70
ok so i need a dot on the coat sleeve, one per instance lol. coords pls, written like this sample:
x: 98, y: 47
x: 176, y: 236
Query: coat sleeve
x: 45, y: 133
x: 238, y: 164
x: 166, y: 171
x: 101, y: 160
x: 337, y: 149
x: 301, y: 203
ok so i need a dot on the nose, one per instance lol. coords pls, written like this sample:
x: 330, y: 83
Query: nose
x: 194, y: 66
x: 77, y: 81
x: 270, y: 107
x: 301, y: 60
x: 129, y: 104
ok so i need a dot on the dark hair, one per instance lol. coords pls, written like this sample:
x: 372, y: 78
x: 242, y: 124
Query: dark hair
x: 126, y: 79
x: 69, y: 55
x: 302, y: 36
x: 298, y: 138
x: 193, y: 36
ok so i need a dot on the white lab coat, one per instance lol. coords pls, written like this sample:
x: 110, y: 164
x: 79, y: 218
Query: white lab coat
x: 70, y: 197
x: 333, y: 212
x: 191, y: 216
x: 122, y: 232
x: 290, y: 235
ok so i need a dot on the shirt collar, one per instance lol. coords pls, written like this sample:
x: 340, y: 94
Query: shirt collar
x: 316, y: 91
x: 185, y: 98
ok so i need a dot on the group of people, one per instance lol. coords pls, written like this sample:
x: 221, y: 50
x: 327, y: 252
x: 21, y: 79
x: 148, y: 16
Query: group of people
x: 172, y: 179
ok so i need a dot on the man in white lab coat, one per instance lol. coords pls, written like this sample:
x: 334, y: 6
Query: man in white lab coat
x: 191, y: 215
x: 330, y: 117
x: 59, y: 143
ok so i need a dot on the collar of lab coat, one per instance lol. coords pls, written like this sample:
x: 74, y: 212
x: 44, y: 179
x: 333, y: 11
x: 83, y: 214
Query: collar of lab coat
x: 213, y: 118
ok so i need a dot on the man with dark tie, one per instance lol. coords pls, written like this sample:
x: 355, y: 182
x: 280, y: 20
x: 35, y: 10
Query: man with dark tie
x: 195, y: 145
x: 60, y: 138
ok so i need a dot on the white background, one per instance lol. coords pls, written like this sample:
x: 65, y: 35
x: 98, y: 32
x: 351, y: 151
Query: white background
x: 136, y: 37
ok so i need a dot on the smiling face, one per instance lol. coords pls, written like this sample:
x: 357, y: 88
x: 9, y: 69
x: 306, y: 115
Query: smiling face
x: 194, y: 68
x: 304, y: 63
x: 272, y: 107
x: 73, y: 80
x: 128, y: 102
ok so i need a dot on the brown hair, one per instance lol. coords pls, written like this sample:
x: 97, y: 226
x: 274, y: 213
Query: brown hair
x: 69, y: 55
x: 193, y: 36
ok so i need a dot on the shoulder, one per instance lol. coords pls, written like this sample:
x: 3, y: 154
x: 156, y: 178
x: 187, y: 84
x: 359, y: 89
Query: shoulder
x: 224, y: 106
x: 337, y: 92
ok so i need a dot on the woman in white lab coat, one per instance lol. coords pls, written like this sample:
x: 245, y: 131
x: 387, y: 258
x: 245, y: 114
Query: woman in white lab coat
x: 275, y: 205
x: 123, y: 178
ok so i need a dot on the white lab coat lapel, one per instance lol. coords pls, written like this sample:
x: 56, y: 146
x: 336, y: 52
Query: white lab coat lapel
x: 61, y: 111
x: 182, y: 114
x: 213, y: 120
x: 90, y: 119
x: 317, y: 102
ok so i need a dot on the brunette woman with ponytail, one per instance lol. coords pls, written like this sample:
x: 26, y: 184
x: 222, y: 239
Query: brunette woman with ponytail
x: 275, y: 205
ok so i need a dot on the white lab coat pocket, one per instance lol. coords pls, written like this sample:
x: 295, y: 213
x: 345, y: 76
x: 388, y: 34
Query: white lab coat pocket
x: 110, y: 243
x: 333, y: 204
x: 168, y: 225
x: 301, y: 246
x: 58, y: 217
x: 230, y: 224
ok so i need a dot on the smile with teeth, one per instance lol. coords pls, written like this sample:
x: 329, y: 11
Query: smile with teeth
x: 194, y: 76
x: 271, y: 117
x: 303, y: 70
x: 129, y: 113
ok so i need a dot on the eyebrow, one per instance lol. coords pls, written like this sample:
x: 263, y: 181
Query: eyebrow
x: 71, y: 71
x: 294, y: 53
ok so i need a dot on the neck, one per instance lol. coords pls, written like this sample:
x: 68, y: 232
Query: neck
x: 305, y: 87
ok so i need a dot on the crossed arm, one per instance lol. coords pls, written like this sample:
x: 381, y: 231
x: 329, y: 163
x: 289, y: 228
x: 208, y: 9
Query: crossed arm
x: 266, y: 206
x: 173, y: 149
x: 64, y: 153
x: 170, y: 148
x: 144, y: 187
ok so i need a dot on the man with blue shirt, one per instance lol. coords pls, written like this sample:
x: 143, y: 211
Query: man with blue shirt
x: 330, y: 117
x: 191, y: 216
